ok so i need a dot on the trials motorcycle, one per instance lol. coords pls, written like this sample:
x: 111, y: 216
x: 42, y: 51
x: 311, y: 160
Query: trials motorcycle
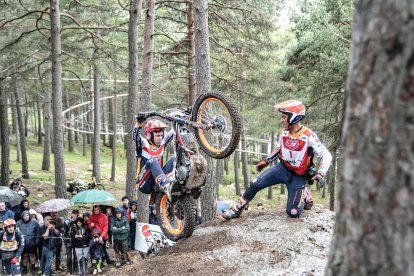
x: 213, y: 125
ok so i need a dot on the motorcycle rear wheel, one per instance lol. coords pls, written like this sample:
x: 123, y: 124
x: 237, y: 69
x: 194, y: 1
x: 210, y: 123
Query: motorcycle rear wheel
x: 178, y: 220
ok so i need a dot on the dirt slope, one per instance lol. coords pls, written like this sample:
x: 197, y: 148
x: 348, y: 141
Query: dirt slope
x: 261, y: 242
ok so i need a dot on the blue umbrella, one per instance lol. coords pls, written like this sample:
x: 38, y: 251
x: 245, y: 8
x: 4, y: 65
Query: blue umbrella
x: 93, y: 196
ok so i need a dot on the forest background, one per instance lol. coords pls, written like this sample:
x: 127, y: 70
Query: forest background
x: 261, y: 53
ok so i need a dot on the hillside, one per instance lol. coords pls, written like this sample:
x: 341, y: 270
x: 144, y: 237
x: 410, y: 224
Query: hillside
x: 261, y: 242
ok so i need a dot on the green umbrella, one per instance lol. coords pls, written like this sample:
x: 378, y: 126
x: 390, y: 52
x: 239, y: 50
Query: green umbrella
x: 93, y: 196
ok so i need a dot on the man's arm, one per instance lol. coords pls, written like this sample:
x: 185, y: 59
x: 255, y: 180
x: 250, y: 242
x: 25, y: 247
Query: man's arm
x: 322, y: 152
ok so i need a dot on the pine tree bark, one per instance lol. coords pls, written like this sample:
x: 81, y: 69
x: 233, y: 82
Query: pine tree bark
x: 69, y: 116
x: 203, y: 85
x: 59, y: 159
x: 96, y: 143
x: 375, y: 221
x: 113, y: 140
x: 244, y: 160
x: 16, y: 128
x: 5, y: 140
x: 134, y: 16
x: 145, y: 98
x: 39, y: 119
x: 20, y: 122
x: 236, y: 164
x: 46, y: 126
x: 191, y: 54
x: 332, y: 182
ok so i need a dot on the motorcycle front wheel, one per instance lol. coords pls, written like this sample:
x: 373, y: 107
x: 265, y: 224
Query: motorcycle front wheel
x: 222, y: 124
x: 176, y: 220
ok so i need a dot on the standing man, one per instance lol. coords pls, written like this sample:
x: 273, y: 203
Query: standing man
x: 69, y: 227
x: 58, y: 222
x: 50, y: 237
x: 30, y: 228
x: 295, y: 150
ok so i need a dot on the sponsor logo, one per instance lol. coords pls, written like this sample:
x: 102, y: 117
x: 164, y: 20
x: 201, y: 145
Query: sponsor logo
x: 145, y: 231
x: 292, y: 144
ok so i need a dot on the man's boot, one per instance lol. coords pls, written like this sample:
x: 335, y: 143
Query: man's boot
x: 165, y: 185
x: 236, y: 211
x: 308, y: 198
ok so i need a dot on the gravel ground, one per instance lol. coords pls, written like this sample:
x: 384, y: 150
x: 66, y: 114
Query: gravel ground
x: 260, y: 242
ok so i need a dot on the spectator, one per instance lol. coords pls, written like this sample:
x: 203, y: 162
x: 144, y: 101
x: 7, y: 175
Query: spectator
x: 97, y: 250
x: 153, y: 215
x: 38, y: 217
x: 35, y: 215
x: 81, y: 235
x: 12, y: 245
x: 99, y: 221
x: 125, y: 205
x: 68, y: 228
x: 30, y: 228
x: 50, y: 238
x: 86, y: 216
x: 132, y: 218
x: 110, y: 220
x: 24, y: 206
x: 59, y: 225
x: 120, y: 230
x: 5, y: 213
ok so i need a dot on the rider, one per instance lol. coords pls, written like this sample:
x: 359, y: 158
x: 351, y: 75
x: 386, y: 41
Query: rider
x: 149, y: 152
x: 12, y: 245
x: 295, y: 149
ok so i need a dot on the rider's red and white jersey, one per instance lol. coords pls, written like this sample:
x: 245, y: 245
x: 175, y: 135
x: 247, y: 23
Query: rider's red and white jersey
x: 149, y: 151
x: 294, y: 150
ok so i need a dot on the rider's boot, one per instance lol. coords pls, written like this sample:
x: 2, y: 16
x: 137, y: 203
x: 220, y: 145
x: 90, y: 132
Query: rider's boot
x: 165, y: 185
x: 237, y: 210
x: 308, y: 198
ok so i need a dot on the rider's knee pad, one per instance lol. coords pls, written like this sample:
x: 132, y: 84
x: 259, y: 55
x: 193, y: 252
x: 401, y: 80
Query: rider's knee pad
x: 294, y: 213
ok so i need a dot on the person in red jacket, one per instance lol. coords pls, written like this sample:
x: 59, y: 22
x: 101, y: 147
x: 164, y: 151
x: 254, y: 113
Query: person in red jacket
x: 99, y: 221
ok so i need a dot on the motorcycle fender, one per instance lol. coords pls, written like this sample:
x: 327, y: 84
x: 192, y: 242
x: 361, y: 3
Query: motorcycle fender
x: 198, y: 172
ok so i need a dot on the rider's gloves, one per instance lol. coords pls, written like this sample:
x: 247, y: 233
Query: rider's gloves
x: 141, y: 117
x: 15, y: 260
x: 261, y: 165
x: 320, y: 178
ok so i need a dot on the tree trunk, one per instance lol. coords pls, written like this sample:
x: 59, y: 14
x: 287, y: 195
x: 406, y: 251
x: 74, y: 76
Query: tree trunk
x: 16, y: 128
x: 39, y: 119
x: 5, y: 140
x: 145, y: 98
x: 59, y: 159
x: 71, y: 146
x: 203, y: 85
x: 46, y: 127
x: 272, y: 144
x: 113, y: 140
x: 332, y: 182
x: 236, y: 172
x: 25, y: 164
x: 96, y: 144
x: 226, y: 165
x: 374, y: 224
x: 244, y: 160
x: 134, y: 14
x: 219, y: 175
x: 191, y: 54
x: 26, y: 117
